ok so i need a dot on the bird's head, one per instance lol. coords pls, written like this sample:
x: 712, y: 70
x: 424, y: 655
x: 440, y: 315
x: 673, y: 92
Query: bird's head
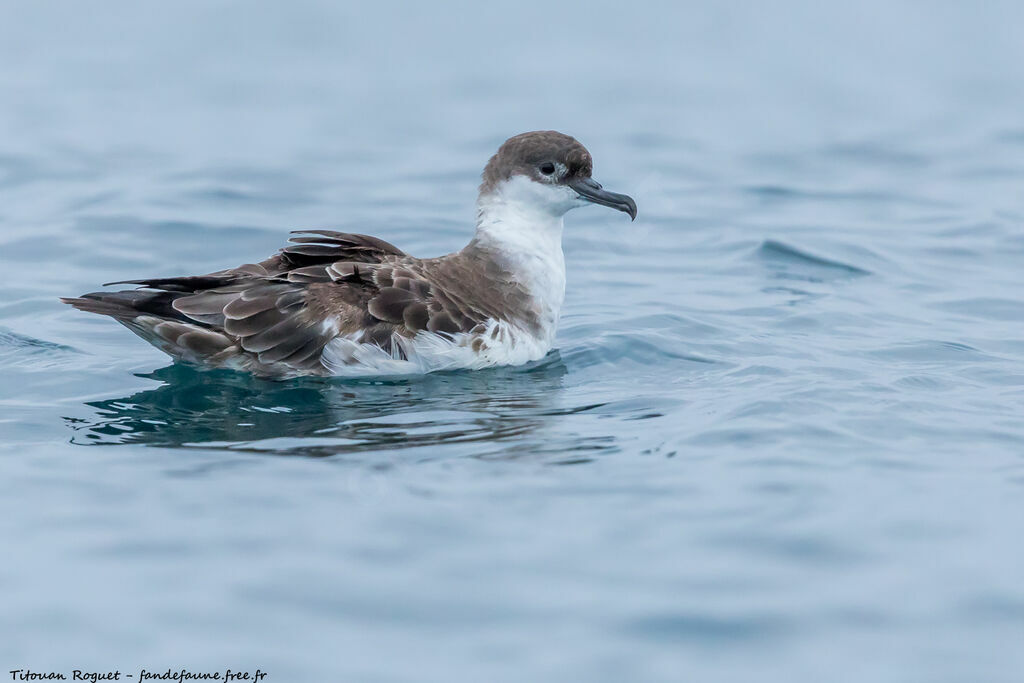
x: 549, y: 172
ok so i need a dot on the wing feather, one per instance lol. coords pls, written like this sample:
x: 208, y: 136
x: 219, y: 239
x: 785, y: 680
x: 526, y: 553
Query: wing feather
x: 284, y: 310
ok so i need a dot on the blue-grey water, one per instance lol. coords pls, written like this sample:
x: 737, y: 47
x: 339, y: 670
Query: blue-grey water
x: 781, y: 437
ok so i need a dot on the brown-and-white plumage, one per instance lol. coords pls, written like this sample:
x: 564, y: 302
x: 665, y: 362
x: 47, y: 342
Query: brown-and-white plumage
x: 334, y: 303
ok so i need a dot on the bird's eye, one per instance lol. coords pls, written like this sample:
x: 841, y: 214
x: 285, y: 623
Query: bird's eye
x: 548, y: 168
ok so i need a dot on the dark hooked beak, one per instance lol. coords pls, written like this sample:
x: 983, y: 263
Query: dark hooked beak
x: 591, y: 190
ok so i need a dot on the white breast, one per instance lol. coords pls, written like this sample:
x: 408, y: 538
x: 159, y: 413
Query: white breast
x: 521, y: 223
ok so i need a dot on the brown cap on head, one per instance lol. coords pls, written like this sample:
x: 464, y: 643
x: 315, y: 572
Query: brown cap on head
x: 556, y: 159
x: 526, y: 152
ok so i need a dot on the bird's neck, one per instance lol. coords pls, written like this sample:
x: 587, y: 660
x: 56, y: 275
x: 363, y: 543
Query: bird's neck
x: 524, y: 242
x: 517, y: 226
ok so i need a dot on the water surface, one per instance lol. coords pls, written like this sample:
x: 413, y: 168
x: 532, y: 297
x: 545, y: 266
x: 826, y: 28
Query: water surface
x: 781, y: 435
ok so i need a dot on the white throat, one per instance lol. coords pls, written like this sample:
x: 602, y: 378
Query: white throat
x: 521, y: 222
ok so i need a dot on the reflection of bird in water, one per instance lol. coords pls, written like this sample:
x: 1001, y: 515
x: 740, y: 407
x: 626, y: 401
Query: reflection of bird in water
x: 313, y: 417
x: 355, y: 306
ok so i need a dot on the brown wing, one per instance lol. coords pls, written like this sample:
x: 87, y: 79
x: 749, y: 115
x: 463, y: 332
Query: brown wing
x: 275, y: 317
x: 408, y: 294
x: 309, y: 248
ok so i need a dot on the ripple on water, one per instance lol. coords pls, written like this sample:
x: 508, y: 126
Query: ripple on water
x: 989, y: 308
x: 931, y: 351
x: 641, y: 341
x: 631, y: 349
x: 32, y: 354
x: 704, y: 629
x: 791, y: 262
x: 318, y: 417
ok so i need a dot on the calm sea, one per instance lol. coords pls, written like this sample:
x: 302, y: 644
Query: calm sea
x: 781, y: 437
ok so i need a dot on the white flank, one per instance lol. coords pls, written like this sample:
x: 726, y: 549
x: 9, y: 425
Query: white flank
x: 503, y: 344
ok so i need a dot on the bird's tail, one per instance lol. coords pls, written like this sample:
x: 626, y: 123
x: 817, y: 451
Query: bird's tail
x: 151, y: 315
x: 127, y: 305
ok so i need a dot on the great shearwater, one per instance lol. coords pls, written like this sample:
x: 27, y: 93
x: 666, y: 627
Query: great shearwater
x: 342, y: 304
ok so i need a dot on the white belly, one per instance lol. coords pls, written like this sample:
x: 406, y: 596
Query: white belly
x: 499, y: 344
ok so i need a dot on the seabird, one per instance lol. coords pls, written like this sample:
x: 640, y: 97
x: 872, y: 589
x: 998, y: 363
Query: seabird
x: 342, y: 304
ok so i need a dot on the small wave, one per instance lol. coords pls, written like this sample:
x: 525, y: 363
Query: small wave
x: 19, y: 349
x: 1014, y: 136
x: 19, y: 170
x: 874, y: 154
x: 654, y: 350
x: 258, y: 197
x: 989, y: 308
x: 710, y: 629
x: 810, y: 265
x: 931, y: 351
x: 777, y: 193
